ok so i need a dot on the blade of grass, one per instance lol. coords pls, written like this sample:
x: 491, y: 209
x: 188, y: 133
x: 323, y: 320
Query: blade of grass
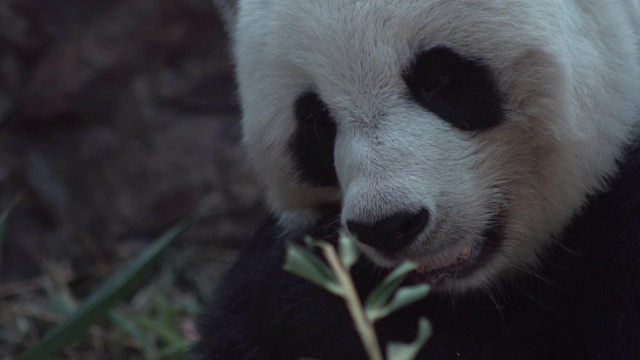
x: 176, y: 351
x: 165, y: 331
x: 4, y: 218
x: 127, y: 327
x: 105, y: 296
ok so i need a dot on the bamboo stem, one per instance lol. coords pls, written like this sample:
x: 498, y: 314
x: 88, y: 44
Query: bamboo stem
x: 363, y: 326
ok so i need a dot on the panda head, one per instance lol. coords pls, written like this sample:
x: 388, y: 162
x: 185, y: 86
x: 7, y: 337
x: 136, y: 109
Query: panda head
x: 461, y: 135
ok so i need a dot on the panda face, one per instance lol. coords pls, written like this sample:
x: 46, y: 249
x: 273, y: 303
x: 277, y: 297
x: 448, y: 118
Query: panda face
x: 461, y: 135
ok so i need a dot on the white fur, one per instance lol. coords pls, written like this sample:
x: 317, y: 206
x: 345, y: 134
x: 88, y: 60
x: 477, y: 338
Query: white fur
x: 569, y: 71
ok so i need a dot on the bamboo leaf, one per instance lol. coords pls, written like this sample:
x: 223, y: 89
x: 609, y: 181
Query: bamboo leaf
x: 401, y: 271
x: 400, y: 351
x: 348, y: 250
x: 306, y: 265
x: 381, y: 293
x: 403, y: 297
x: 105, y: 296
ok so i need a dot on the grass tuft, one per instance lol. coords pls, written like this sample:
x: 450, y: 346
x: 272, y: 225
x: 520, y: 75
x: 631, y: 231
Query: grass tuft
x: 103, y: 299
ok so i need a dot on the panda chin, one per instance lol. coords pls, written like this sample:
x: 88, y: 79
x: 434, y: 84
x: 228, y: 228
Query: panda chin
x: 462, y: 261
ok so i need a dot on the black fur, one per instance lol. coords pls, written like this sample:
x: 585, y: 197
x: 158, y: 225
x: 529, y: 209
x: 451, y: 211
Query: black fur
x: 582, y: 303
x: 314, y: 141
x: 460, y: 91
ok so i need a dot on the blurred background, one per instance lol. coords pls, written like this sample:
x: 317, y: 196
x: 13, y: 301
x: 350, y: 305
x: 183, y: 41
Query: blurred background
x: 118, y: 118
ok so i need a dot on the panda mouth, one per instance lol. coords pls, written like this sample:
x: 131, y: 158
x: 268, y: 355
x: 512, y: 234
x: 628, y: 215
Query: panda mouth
x: 449, y: 265
x: 462, y: 260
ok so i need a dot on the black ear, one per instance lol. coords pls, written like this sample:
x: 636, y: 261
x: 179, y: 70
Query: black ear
x: 228, y: 9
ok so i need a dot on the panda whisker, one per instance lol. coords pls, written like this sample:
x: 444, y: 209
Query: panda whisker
x: 565, y: 269
x: 573, y: 252
x: 499, y: 308
x: 537, y: 276
x: 536, y: 300
x: 498, y: 289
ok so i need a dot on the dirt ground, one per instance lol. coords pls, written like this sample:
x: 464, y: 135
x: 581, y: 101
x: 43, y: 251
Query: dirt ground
x: 118, y: 118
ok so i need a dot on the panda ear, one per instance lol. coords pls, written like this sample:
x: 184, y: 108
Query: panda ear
x: 228, y: 9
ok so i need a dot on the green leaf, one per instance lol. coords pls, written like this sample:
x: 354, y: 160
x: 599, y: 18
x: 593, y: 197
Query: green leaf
x: 177, y: 351
x: 348, y: 250
x: 165, y: 331
x: 127, y: 326
x: 310, y: 242
x: 403, y: 297
x: 4, y: 218
x: 105, y: 296
x: 402, y: 270
x: 306, y: 265
x: 381, y: 294
x: 400, y: 351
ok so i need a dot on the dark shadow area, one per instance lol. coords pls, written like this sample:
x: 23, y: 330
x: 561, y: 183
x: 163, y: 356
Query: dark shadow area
x: 117, y: 119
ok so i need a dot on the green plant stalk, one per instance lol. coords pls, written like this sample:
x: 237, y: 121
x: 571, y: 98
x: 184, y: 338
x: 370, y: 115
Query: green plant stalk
x: 105, y: 296
x: 363, y: 326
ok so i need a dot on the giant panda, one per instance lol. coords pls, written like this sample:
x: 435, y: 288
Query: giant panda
x: 492, y: 142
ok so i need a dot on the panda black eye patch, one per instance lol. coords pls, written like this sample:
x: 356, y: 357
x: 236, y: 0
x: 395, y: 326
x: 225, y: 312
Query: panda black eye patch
x: 313, y: 143
x: 460, y: 91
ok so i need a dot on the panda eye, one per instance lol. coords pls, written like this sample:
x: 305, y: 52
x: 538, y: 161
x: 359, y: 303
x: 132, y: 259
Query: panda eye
x: 432, y: 82
x: 460, y: 91
x: 311, y: 111
x: 313, y: 142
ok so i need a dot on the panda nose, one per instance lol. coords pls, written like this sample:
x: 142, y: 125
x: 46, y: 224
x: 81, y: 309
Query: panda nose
x: 390, y: 234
